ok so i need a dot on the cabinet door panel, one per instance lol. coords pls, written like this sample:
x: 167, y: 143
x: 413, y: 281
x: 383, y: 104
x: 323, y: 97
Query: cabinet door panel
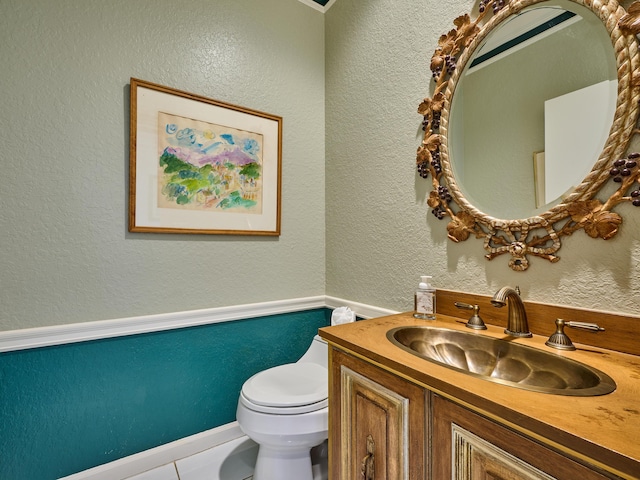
x: 475, y: 458
x: 467, y: 446
x: 379, y: 415
x: 371, y: 408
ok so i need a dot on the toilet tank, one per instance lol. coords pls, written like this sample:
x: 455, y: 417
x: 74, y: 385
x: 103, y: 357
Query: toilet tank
x: 317, y: 352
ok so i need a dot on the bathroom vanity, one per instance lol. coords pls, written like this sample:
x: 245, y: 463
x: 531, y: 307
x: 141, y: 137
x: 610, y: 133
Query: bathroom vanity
x: 396, y: 415
x: 416, y: 409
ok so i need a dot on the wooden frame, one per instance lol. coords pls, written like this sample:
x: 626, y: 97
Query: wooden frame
x: 202, y: 166
x: 539, y: 235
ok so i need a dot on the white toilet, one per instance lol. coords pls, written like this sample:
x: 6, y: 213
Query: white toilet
x: 284, y: 410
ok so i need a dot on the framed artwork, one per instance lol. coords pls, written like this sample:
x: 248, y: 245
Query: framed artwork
x: 198, y: 165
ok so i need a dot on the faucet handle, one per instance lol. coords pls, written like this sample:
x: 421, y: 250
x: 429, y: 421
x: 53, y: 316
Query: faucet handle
x: 559, y: 339
x: 594, y: 327
x: 475, y: 322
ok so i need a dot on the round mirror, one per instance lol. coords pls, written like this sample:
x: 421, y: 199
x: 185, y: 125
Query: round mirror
x: 532, y: 110
x: 533, y: 107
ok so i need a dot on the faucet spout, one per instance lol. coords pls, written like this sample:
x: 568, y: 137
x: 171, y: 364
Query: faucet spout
x: 517, y: 325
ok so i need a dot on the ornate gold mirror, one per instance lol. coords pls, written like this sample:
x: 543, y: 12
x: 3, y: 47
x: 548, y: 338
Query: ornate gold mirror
x: 533, y: 107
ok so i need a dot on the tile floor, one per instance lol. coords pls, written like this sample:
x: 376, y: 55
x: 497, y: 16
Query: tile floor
x: 234, y: 460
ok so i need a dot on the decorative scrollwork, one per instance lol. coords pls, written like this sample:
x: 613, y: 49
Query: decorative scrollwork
x: 540, y: 235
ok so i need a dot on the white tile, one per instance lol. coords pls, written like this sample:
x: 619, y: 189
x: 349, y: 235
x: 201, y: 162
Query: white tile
x: 234, y: 460
x: 166, y: 472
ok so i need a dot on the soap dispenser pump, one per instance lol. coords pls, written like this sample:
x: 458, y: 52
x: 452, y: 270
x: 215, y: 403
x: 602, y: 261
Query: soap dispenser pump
x: 425, y: 299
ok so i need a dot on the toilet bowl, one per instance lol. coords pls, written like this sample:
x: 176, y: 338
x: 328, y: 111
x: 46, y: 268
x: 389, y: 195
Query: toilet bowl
x: 284, y: 410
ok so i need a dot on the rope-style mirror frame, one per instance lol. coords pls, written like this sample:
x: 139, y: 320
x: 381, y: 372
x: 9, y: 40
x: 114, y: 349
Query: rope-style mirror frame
x: 539, y: 235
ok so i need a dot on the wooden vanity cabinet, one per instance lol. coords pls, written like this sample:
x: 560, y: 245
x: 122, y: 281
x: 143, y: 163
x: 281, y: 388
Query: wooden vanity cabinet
x: 384, y: 427
x: 377, y: 423
x: 467, y: 446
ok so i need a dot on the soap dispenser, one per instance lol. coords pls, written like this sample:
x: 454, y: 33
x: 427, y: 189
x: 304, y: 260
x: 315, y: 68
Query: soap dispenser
x: 425, y: 300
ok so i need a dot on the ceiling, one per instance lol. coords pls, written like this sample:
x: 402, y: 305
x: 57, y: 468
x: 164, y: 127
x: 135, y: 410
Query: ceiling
x: 521, y: 30
x: 321, y: 5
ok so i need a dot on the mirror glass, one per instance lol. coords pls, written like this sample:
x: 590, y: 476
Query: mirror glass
x: 532, y: 110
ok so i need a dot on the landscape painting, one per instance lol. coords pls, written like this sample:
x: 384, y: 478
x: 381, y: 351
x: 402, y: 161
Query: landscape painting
x: 204, y: 166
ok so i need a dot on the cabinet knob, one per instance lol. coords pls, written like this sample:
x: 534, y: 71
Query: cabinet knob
x: 367, y: 468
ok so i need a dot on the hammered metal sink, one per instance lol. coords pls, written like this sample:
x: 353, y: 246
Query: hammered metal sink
x: 502, y: 361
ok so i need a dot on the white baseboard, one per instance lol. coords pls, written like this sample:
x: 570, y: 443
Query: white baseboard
x: 162, y: 455
x: 80, y: 332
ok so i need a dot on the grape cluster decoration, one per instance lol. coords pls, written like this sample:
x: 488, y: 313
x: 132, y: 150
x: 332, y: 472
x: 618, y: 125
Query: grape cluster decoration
x: 624, y: 167
x: 435, y: 120
x: 443, y: 193
x: 435, y: 162
x: 439, y: 199
x: 625, y: 171
x: 627, y: 168
x: 439, y: 212
x: 443, y: 65
x: 496, y: 5
x: 423, y: 169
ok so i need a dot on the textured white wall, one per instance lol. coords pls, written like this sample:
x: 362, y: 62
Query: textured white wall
x: 66, y: 255
x: 380, y: 233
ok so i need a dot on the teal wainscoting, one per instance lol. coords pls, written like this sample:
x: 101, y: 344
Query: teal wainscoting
x: 67, y: 408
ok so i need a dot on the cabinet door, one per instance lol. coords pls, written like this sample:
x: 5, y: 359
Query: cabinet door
x: 467, y: 446
x: 377, y: 423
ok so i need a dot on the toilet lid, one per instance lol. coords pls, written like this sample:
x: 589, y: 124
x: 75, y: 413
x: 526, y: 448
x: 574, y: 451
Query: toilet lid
x: 289, y: 385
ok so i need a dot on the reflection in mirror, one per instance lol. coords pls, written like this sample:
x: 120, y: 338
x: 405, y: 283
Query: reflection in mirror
x: 532, y: 111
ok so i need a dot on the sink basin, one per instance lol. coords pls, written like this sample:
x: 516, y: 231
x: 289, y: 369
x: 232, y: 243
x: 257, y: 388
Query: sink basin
x: 502, y: 361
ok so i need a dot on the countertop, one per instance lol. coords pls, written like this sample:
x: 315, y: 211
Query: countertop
x: 601, y: 430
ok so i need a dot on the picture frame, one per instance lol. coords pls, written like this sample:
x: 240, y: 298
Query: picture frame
x: 202, y: 166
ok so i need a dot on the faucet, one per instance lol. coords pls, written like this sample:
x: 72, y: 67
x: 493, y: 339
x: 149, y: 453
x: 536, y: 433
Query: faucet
x: 517, y: 325
x: 561, y: 340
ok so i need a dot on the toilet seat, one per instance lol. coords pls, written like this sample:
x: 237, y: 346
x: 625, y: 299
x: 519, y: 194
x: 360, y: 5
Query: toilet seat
x: 287, y: 389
